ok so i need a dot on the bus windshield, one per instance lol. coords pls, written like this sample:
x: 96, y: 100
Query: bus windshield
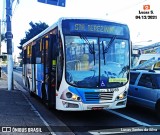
x: 96, y: 62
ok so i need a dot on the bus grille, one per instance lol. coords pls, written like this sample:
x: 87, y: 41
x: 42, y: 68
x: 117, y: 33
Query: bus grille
x: 98, y: 96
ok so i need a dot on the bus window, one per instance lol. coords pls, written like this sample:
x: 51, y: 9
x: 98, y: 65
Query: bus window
x: 38, y: 53
x: 59, y: 64
x: 24, y: 56
x: 46, y: 45
x: 29, y: 53
x: 33, y: 58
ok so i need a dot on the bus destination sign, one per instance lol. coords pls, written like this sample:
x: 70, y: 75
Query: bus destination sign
x: 97, y: 28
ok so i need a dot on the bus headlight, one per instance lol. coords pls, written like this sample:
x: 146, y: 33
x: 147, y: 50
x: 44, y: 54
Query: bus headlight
x: 122, y: 96
x: 67, y: 95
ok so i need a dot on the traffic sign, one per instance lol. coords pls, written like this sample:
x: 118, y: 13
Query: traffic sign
x: 8, y: 35
x: 54, y: 2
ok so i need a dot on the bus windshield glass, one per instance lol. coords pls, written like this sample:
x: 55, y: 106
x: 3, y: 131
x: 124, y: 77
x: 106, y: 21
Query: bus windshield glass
x: 96, y: 62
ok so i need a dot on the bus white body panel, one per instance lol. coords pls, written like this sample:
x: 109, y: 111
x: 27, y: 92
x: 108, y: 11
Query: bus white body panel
x: 112, y: 103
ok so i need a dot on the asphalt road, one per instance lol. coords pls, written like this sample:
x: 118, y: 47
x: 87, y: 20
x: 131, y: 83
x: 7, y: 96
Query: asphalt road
x: 132, y: 118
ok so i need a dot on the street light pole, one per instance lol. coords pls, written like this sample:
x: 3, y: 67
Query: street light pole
x: 0, y: 39
x: 9, y: 37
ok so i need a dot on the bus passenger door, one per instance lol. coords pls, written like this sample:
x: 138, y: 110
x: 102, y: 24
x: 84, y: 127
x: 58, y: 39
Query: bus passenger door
x: 33, y: 62
x: 52, y: 70
x: 24, y: 74
x: 45, y: 63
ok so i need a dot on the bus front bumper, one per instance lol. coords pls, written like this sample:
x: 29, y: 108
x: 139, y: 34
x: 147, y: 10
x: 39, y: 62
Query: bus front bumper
x: 79, y: 106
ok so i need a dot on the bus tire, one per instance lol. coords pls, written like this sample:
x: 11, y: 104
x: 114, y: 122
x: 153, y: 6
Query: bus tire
x: 44, y: 95
x: 158, y: 109
x: 49, y: 105
x: 27, y: 84
x: 28, y: 87
x: 44, y: 98
x: 31, y: 93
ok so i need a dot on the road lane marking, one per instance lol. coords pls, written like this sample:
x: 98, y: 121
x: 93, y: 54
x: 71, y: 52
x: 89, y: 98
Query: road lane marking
x: 43, y: 120
x: 19, y: 87
x: 120, y: 130
x: 107, y: 131
x: 34, y: 109
x: 19, y: 74
x: 128, y: 118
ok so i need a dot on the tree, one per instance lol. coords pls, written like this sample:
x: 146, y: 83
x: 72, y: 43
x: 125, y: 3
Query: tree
x: 35, y: 29
x: 2, y: 37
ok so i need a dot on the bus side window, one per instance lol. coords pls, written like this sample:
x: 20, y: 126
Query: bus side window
x: 29, y: 53
x: 33, y: 55
x: 38, y: 53
x: 24, y: 56
x: 44, y: 50
x: 46, y: 53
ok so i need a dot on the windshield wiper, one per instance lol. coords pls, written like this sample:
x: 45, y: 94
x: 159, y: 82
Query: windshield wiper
x: 91, y: 47
x: 105, y: 50
x: 109, y: 44
x: 103, y: 53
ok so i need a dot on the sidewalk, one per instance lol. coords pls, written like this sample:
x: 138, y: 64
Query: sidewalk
x: 16, y: 114
x: 3, y: 82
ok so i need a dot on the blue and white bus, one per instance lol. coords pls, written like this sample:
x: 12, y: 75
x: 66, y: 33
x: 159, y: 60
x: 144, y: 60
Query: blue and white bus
x: 79, y: 64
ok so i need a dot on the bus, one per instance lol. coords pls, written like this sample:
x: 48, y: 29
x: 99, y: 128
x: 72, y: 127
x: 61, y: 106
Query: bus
x: 79, y: 64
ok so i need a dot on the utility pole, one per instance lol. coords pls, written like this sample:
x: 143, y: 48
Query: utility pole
x: 0, y: 49
x: 9, y: 37
x: 0, y: 36
x: 0, y: 40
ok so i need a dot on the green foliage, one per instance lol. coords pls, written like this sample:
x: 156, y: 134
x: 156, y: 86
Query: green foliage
x: 35, y: 29
x: 3, y: 57
x: 2, y: 37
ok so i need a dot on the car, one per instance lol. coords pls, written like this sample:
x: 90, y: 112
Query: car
x: 144, y: 89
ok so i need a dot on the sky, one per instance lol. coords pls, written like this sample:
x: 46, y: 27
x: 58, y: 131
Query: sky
x: 125, y: 11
